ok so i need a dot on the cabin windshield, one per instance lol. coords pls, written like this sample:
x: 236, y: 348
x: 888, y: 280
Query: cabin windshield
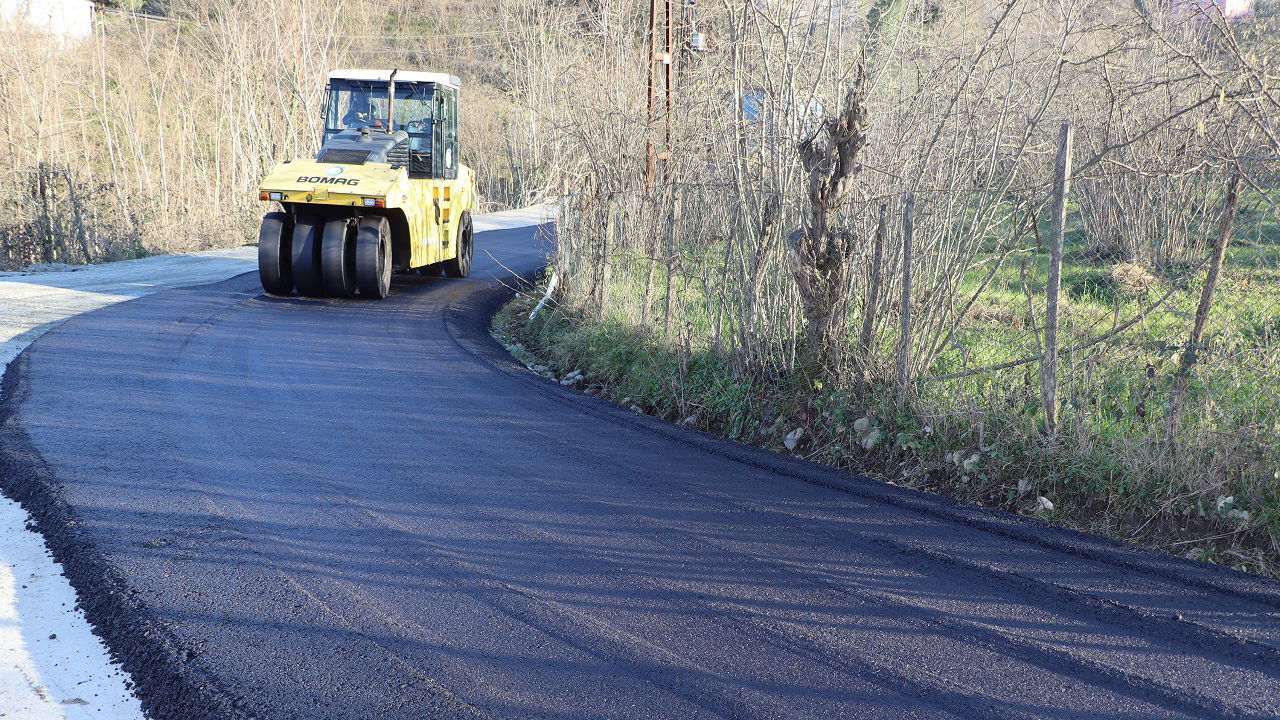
x: 357, y: 103
x: 424, y: 110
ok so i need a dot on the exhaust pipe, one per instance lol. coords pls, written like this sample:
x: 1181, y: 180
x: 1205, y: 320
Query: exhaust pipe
x: 391, y: 101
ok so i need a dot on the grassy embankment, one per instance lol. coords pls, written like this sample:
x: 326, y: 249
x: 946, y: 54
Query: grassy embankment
x: 1111, y: 469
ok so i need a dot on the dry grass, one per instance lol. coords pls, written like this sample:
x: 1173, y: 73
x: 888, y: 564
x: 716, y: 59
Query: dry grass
x: 151, y: 136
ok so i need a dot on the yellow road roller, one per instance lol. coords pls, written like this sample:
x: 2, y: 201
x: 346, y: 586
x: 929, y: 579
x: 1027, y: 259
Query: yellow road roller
x: 386, y: 191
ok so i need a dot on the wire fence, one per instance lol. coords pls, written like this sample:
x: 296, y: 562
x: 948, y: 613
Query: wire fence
x: 1155, y: 364
x: 1156, y: 322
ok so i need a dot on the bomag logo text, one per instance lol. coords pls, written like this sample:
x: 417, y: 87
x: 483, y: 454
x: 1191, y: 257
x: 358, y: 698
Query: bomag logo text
x: 328, y: 180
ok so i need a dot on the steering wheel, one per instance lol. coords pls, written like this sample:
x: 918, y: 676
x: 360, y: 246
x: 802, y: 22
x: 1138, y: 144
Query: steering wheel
x: 416, y: 126
x: 363, y: 119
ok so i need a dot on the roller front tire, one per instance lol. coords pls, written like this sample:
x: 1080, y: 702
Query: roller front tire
x: 373, y: 257
x: 307, y: 237
x: 338, y: 258
x: 275, y: 255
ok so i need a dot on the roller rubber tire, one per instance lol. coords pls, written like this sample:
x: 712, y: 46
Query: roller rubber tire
x: 373, y: 257
x: 307, y: 232
x: 338, y: 258
x: 460, y: 266
x: 275, y: 260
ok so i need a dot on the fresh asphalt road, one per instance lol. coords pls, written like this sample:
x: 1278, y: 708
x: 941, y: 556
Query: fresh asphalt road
x: 297, y: 508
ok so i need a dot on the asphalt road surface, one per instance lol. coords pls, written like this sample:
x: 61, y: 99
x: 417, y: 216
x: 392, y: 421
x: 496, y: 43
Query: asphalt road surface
x: 296, y: 508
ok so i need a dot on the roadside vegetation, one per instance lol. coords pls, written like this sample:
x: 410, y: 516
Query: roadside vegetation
x: 753, y: 283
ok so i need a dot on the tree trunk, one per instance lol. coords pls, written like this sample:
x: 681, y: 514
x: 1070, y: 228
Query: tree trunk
x: 818, y: 256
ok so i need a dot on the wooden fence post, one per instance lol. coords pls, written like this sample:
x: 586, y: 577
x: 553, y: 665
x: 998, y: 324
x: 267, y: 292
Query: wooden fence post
x: 606, y: 244
x: 1049, y: 365
x: 1191, y: 353
x: 677, y: 200
x: 872, y: 301
x: 904, y: 318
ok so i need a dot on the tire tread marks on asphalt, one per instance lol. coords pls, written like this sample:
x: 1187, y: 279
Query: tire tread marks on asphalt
x: 1238, y: 650
x: 142, y: 643
x: 788, y: 611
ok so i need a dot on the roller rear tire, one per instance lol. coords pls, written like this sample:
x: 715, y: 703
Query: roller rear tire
x: 373, y: 257
x: 275, y: 258
x: 338, y: 258
x: 307, y: 232
x: 460, y: 266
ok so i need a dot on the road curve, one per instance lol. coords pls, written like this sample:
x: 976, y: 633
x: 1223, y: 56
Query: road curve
x: 290, y: 508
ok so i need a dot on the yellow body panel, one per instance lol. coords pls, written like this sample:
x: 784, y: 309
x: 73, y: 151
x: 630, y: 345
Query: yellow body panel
x: 430, y: 207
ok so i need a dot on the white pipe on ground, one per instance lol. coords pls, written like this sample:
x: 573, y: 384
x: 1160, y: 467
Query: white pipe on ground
x: 551, y: 286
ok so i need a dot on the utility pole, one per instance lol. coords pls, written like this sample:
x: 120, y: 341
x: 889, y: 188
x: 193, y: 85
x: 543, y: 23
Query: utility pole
x: 669, y: 57
x: 649, y: 85
x: 666, y: 56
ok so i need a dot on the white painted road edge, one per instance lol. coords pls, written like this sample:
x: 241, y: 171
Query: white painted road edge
x: 52, y: 666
